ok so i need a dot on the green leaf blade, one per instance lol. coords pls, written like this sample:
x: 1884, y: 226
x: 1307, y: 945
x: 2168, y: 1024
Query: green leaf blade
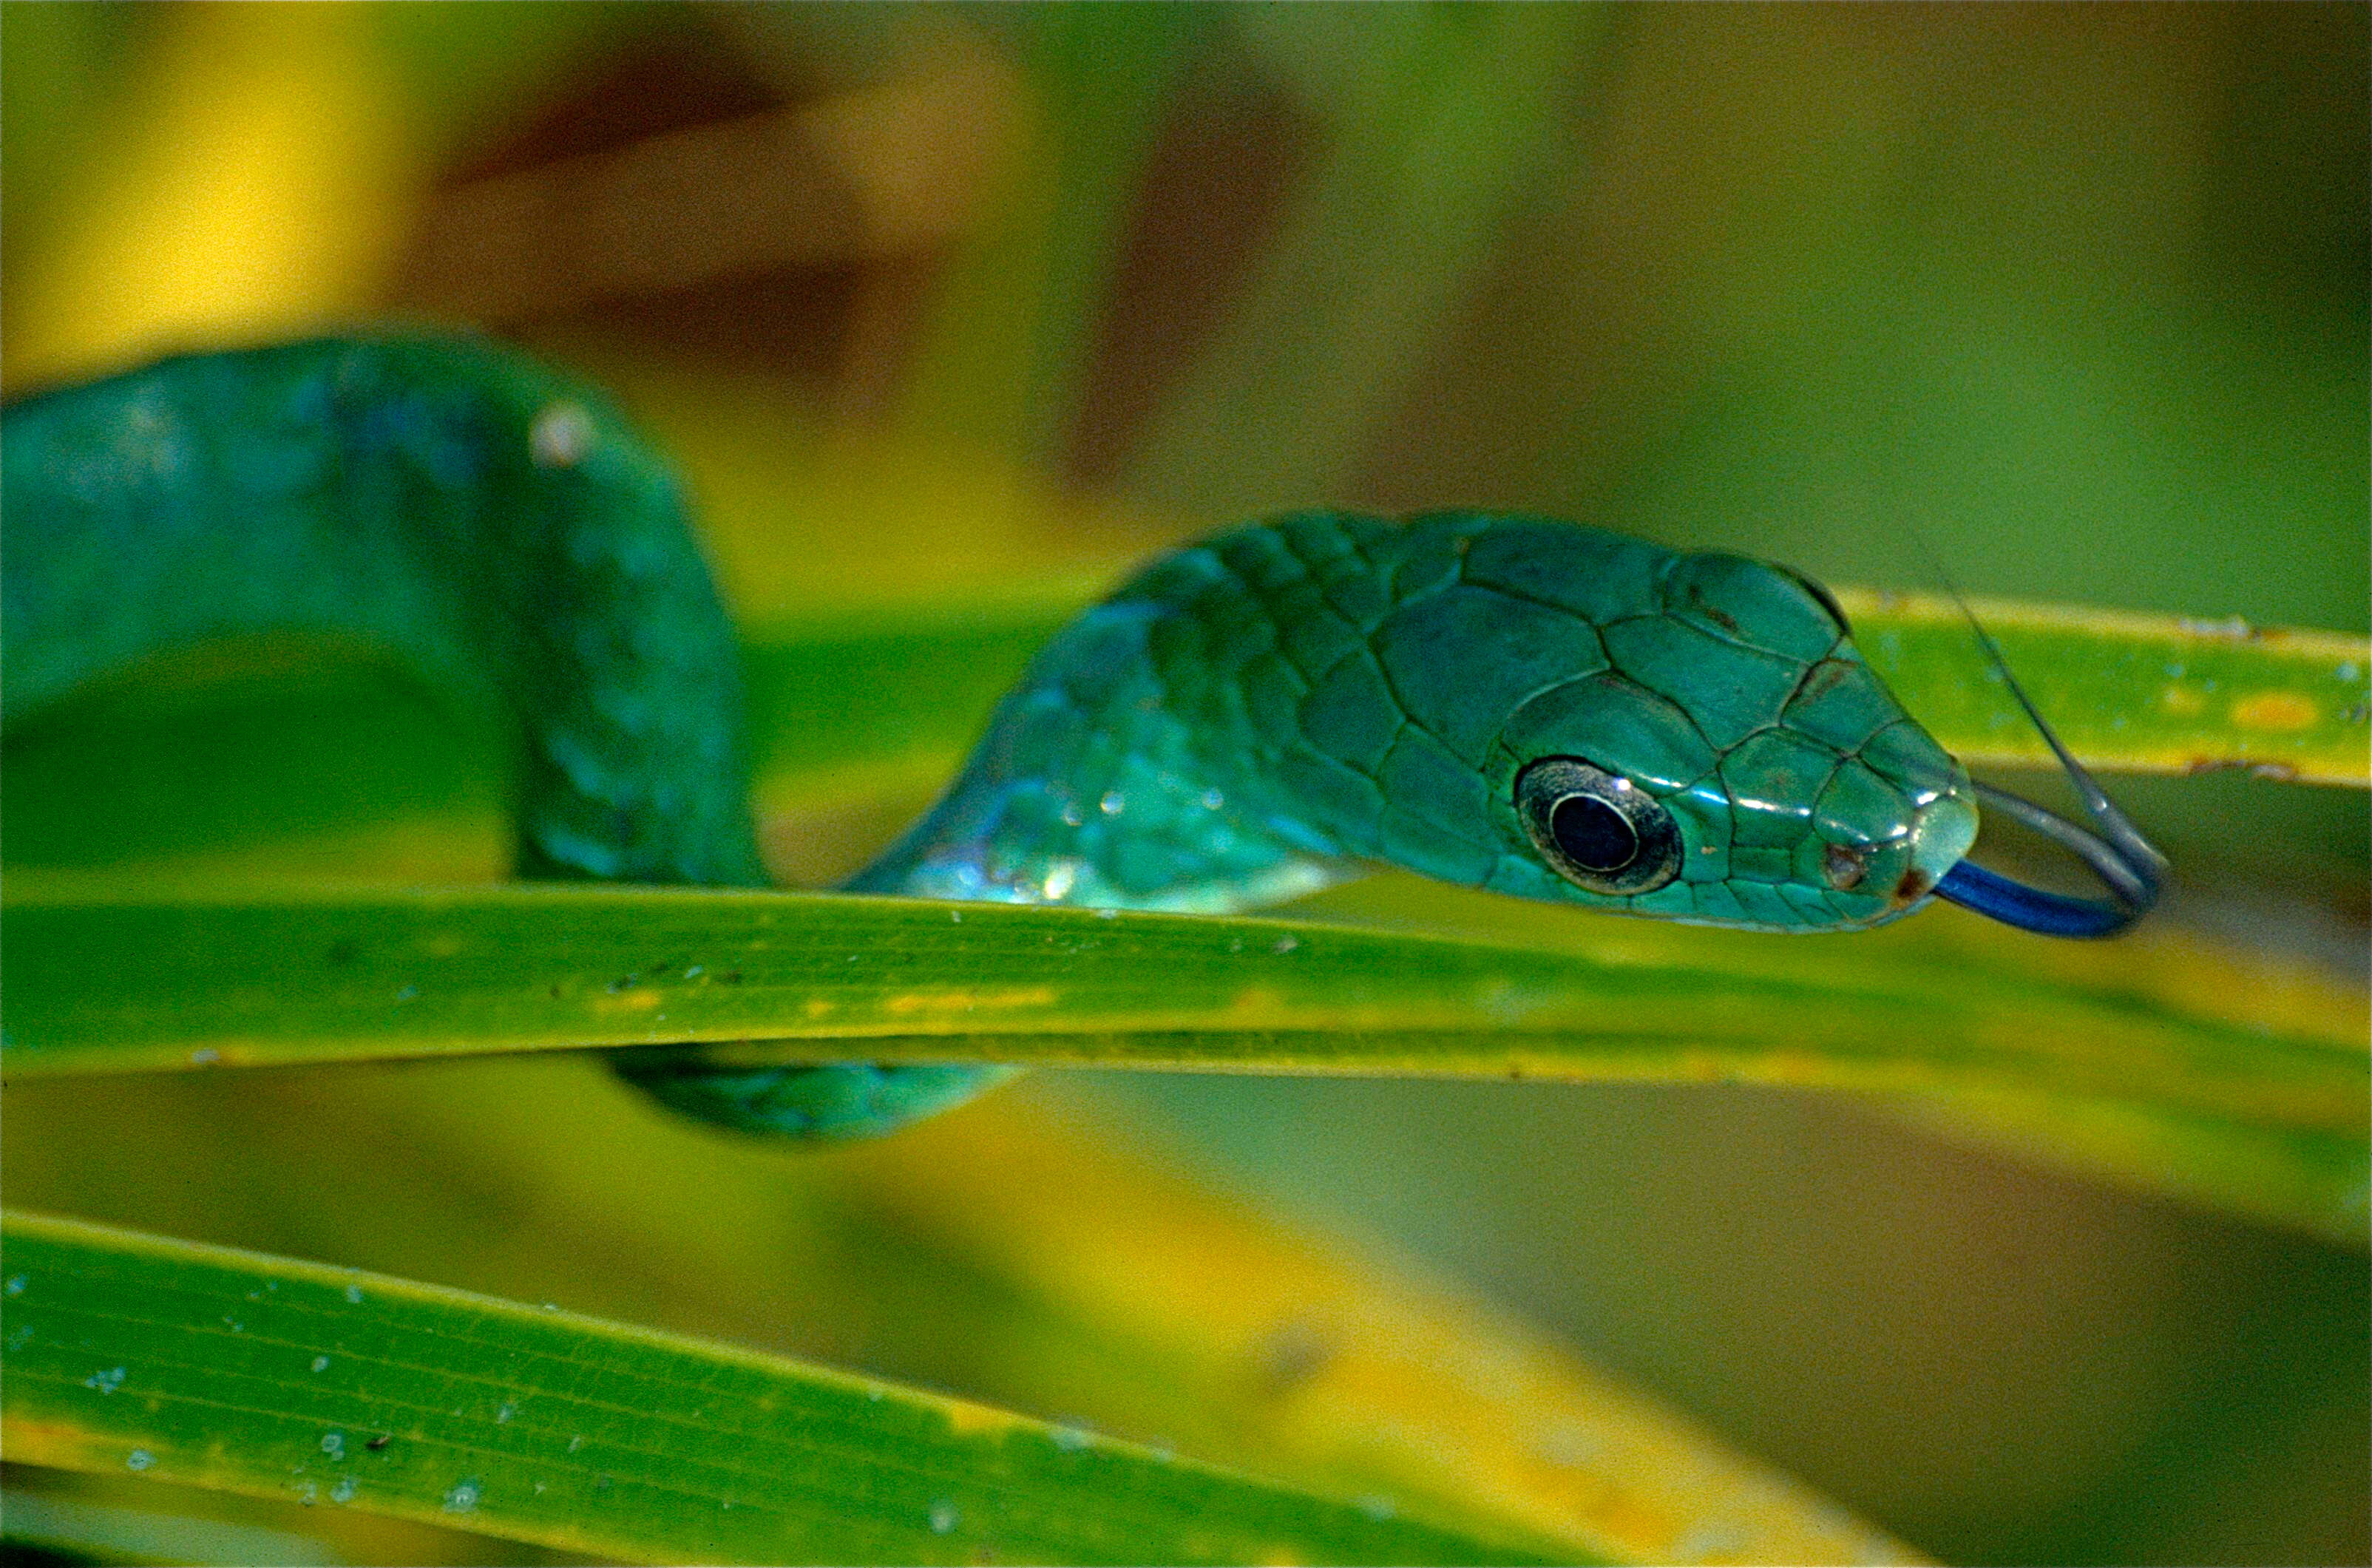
x: 2252, y: 1093
x: 143, y: 982
x: 276, y: 1378
x: 2137, y: 693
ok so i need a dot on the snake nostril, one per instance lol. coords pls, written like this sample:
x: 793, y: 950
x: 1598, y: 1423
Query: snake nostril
x: 1915, y: 883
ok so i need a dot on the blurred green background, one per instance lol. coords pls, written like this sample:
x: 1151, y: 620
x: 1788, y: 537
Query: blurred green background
x: 934, y: 299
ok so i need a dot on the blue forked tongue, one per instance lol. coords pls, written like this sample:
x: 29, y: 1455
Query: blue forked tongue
x: 2128, y: 866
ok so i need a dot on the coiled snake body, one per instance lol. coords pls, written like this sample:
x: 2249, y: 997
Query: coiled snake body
x: 1504, y: 701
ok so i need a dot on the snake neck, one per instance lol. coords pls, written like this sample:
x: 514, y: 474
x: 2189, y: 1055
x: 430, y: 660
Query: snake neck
x: 1229, y: 729
x: 1097, y: 786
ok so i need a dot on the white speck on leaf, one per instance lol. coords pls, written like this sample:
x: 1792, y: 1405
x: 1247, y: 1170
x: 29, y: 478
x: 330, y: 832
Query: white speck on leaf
x: 503, y: 1415
x: 576, y: 1443
x: 1070, y: 1437
x: 944, y: 1517
x: 106, y: 1380
x: 334, y: 1445
x: 463, y: 1497
x: 355, y: 1295
x: 1377, y: 1508
x: 205, y: 1056
x: 1284, y: 944
x: 139, y: 1459
x: 320, y: 1363
x: 16, y: 1284
x: 344, y: 1491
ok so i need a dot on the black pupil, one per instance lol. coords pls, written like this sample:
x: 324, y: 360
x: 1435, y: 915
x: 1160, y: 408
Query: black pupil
x: 1593, y: 834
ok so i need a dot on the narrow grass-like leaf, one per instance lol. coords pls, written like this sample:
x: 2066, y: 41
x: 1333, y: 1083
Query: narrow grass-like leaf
x: 136, y: 982
x: 279, y: 1378
x: 2136, y: 693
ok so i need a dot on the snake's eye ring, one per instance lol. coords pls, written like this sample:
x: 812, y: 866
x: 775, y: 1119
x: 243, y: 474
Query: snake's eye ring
x: 1596, y: 830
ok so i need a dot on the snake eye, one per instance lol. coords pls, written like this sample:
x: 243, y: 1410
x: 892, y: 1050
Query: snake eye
x: 1596, y: 830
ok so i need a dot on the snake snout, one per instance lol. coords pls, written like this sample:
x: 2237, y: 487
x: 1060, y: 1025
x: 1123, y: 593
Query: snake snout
x: 1943, y: 831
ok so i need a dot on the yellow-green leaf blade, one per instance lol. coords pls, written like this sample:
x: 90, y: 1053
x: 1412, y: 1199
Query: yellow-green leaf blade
x: 273, y: 1378
x: 2263, y: 1101
x: 143, y: 982
x: 2138, y: 693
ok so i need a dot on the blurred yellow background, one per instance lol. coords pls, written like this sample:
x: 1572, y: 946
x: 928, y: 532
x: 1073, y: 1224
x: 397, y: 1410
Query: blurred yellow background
x: 931, y: 299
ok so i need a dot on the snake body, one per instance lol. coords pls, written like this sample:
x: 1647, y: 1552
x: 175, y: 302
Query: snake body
x: 1504, y: 701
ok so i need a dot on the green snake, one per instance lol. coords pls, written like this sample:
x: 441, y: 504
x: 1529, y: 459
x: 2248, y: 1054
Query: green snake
x: 1512, y: 702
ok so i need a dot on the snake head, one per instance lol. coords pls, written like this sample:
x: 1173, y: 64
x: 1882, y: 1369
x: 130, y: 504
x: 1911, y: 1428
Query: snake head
x: 1734, y: 761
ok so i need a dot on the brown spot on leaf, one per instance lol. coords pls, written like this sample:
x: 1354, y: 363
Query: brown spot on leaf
x: 1293, y: 1354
